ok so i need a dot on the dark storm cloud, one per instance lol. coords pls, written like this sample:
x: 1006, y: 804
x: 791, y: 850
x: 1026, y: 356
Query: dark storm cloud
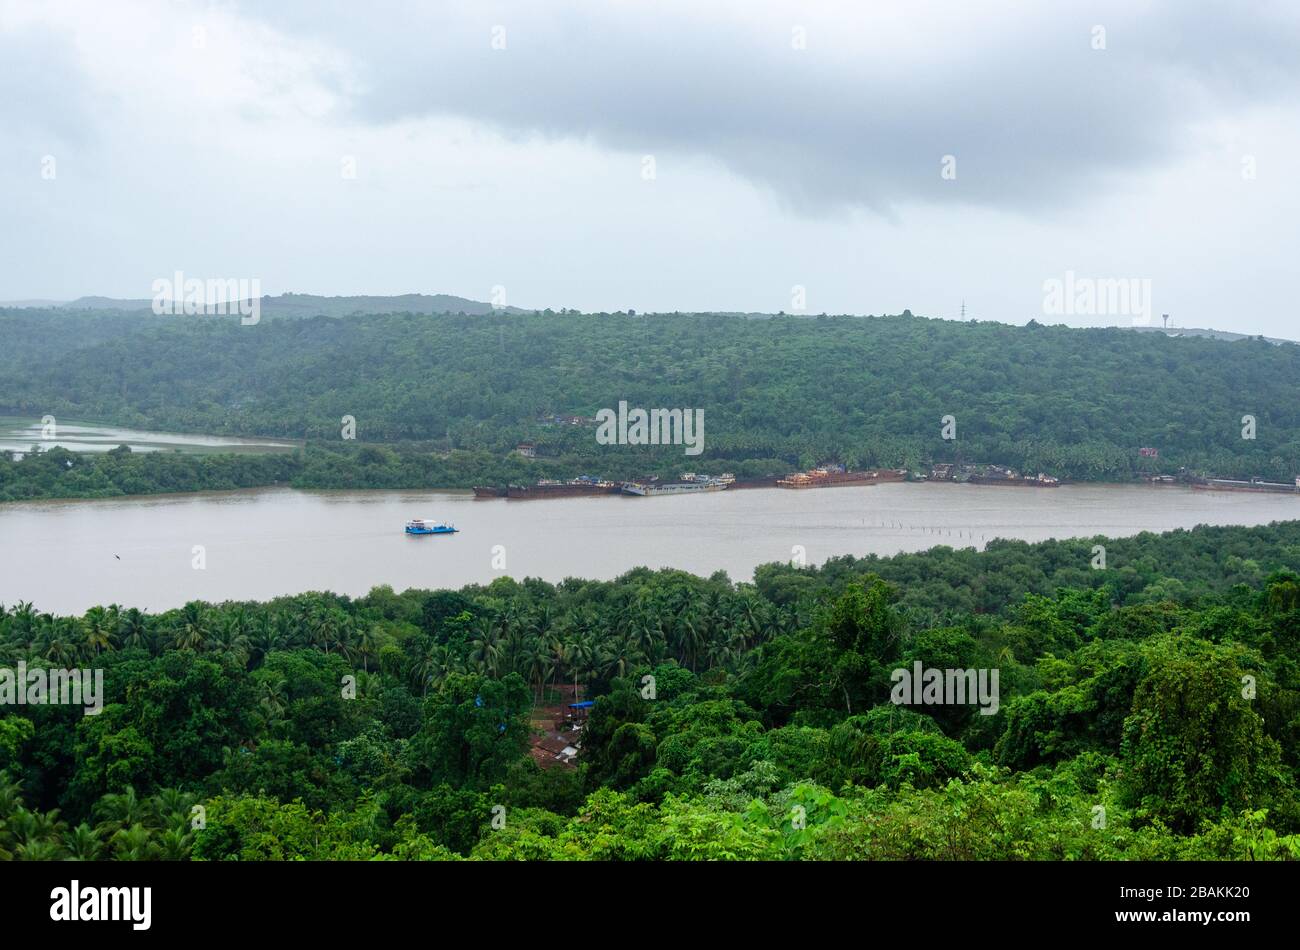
x: 1030, y: 110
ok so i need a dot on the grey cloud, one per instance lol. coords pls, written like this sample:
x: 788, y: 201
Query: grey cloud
x: 1032, y: 113
x: 44, y: 96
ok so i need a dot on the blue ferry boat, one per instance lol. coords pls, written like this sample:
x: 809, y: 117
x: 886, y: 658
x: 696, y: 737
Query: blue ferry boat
x: 425, y: 526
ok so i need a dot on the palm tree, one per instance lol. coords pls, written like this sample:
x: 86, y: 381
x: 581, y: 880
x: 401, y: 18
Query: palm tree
x: 325, y: 626
x: 367, y: 641
x: 133, y: 844
x: 41, y: 849
x: 347, y: 638
x: 191, y: 627
x: 557, y: 652
x: 431, y: 664
x: 133, y: 629
x: 82, y: 843
x: 272, y: 701
x: 230, y: 637
x: 118, y: 810
x: 267, y: 639
x: 60, y: 644
x: 25, y: 621
x: 170, y: 808
x: 648, y: 633
x: 11, y: 651
x: 690, y: 636
x: 174, y: 844
x: 581, y: 653
x: 485, y: 647
x: 36, y: 834
x: 535, y: 665
x: 616, y: 657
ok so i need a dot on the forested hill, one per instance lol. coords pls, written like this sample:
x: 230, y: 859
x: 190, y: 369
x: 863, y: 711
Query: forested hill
x: 299, y: 305
x: 865, y: 391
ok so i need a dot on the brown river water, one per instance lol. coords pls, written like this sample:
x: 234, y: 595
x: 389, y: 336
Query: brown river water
x: 66, y: 556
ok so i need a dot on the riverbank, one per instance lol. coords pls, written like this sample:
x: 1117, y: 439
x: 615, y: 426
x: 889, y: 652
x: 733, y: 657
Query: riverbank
x: 187, y: 463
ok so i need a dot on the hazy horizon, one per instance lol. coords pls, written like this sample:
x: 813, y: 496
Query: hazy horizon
x: 524, y: 310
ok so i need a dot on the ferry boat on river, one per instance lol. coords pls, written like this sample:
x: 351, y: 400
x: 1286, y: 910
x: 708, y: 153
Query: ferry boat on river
x: 428, y: 526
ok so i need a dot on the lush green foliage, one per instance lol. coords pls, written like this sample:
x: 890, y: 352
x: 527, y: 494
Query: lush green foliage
x: 58, y: 473
x: 1147, y: 716
x: 1076, y: 403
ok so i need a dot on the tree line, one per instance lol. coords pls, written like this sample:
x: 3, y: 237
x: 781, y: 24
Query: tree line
x: 1149, y: 715
x: 434, y: 394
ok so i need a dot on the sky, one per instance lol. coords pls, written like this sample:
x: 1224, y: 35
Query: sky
x: 839, y: 157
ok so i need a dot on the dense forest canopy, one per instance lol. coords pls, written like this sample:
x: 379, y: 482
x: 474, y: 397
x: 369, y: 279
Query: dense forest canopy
x: 1149, y: 710
x: 448, y: 396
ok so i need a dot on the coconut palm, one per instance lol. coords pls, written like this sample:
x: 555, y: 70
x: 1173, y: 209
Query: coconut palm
x: 230, y: 636
x: 580, y: 649
x: 36, y: 835
x: 10, y: 800
x: 61, y: 642
x: 367, y: 645
x: 82, y: 843
x: 485, y: 647
x: 133, y: 629
x: 24, y: 622
x: 266, y: 639
x: 174, y: 844
x: 170, y: 808
x: 191, y: 627
x: 325, y: 627
x: 40, y: 849
x: 134, y: 843
x: 273, y: 701
x: 535, y: 665
x: 118, y: 810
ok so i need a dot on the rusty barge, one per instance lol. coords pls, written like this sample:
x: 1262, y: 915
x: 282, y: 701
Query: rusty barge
x: 833, y: 478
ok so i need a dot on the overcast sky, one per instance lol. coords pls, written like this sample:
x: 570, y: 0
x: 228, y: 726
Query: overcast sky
x: 661, y: 155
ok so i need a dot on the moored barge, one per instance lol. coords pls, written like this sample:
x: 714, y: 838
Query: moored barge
x: 547, y: 488
x: 831, y: 478
x: 1254, y: 484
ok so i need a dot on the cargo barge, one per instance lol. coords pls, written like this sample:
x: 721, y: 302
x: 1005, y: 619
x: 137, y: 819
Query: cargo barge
x: 673, y: 488
x: 832, y: 478
x: 989, y: 475
x: 1254, y: 484
x: 689, y: 485
x: 1032, y: 481
x: 767, y: 481
x: 546, y: 488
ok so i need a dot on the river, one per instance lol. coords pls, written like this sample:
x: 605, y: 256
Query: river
x: 18, y: 434
x: 65, y: 556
